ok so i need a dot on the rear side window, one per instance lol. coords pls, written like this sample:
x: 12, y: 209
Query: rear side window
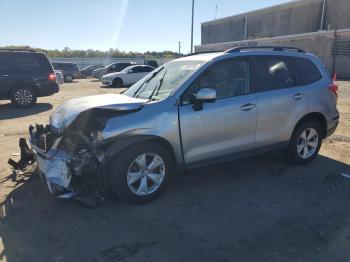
x: 4, y: 64
x: 272, y: 73
x: 147, y: 69
x: 138, y: 69
x: 57, y: 66
x: 306, y: 72
x: 122, y: 66
x: 32, y: 63
x: 113, y: 67
x: 72, y: 66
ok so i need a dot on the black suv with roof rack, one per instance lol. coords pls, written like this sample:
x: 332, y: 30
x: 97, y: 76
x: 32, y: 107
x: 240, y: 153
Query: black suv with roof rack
x: 24, y: 76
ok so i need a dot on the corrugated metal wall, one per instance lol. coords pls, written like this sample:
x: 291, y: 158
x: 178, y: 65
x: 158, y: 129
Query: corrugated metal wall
x: 296, y: 17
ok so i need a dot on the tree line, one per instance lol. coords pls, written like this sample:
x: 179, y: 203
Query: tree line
x: 91, y: 53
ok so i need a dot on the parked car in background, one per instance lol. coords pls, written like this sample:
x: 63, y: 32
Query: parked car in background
x: 115, y: 67
x: 127, y: 76
x: 152, y: 63
x: 192, y: 111
x: 87, y: 71
x: 70, y: 70
x: 59, y: 77
x: 25, y: 75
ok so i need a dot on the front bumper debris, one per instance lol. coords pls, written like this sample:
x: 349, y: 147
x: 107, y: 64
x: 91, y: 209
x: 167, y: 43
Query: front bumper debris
x: 56, y: 174
x: 66, y: 166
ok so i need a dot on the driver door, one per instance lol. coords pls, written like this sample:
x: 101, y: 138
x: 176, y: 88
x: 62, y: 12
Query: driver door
x: 226, y: 126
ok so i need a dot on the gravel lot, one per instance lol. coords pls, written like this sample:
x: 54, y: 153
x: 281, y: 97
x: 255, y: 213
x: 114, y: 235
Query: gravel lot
x: 256, y: 209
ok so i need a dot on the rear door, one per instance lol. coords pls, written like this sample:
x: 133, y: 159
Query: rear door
x: 226, y: 126
x: 5, y: 75
x: 281, y: 102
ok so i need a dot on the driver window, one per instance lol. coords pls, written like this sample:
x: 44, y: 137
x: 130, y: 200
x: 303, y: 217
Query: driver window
x: 229, y: 78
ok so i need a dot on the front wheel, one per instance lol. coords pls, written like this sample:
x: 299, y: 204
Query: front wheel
x: 140, y: 173
x: 306, y: 143
x: 117, y: 82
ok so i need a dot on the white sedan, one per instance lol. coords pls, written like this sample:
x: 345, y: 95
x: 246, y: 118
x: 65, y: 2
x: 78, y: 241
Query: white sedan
x: 128, y: 76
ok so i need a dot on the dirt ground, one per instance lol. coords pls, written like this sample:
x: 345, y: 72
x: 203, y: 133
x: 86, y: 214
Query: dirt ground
x: 256, y: 209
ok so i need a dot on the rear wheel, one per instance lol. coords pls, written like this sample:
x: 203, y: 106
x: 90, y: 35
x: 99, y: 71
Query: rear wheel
x: 68, y: 78
x: 117, y: 82
x: 306, y: 143
x: 140, y: 173
x: 23, y: 96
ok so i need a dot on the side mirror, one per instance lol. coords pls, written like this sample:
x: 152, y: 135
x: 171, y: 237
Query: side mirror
x: 205, y: 95
x: 130, y: 72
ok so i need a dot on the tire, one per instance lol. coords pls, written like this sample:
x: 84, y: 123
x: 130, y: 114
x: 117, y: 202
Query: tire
x: 23, y: 96
x: 302, y: 151
x: 117, y: 82
x: 68, y: 78
x: 140, y: 188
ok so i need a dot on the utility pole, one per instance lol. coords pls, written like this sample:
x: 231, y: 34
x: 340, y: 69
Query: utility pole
x: 179, y: 47
x: 323, y: 13
x: 216, y: 11
x: 192, y: 26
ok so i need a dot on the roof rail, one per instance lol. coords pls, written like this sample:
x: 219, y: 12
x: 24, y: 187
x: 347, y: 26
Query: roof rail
x: 274, y: 48
x: 202, y: 52
x: 18, y: 50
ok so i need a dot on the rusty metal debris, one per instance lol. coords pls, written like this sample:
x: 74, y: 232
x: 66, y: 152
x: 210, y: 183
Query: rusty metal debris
x: 27, y: 156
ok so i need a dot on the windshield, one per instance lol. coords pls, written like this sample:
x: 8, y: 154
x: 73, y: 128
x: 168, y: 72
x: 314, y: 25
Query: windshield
x: 125, y: 70
x: 160, y: 83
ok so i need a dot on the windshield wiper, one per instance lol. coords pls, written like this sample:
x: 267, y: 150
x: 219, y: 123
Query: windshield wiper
x: 160, y: 83
x: 147, y: 80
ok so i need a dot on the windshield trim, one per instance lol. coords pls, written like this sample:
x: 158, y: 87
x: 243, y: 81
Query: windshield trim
x: 191, y: 66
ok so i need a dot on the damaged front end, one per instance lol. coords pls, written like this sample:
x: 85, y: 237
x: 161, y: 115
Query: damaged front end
x: 68, y: 164
x: 68, y: 151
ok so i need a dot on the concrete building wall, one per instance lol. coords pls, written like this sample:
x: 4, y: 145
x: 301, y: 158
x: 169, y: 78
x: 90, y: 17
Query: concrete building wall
x: 293, y: 18
x: 296, y: 17
x: 337, y: 14
x: 320, y: 43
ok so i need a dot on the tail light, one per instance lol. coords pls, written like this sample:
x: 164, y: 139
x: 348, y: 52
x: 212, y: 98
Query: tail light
x: 333, y: 87
x: 52, y: 77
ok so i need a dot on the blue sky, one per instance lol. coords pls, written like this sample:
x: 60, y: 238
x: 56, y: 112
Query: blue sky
x: 129, y: 25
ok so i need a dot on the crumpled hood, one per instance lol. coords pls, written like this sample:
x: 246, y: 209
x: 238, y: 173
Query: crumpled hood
x: 66, y: 113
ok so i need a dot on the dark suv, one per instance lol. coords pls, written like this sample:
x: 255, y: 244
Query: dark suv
x: 25, y: 75
x: 69, y: 71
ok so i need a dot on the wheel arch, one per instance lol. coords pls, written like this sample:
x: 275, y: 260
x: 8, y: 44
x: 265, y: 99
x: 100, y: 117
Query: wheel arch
x: 119, y: 146
x: 122, y: 144
x: 314, y: 116
x: 23, y: 83
x: 119, y: 79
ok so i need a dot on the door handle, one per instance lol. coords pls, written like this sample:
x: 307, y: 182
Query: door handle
x: 298, y: 96
x: 247, y: 107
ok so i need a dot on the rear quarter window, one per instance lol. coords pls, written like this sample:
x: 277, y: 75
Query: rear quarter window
x: 272, y: 73
x: 306, y: 71
x: 32, y: 63
x: 72, y: 66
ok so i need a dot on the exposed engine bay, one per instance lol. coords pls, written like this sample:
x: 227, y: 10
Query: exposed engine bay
x: 69, y: 156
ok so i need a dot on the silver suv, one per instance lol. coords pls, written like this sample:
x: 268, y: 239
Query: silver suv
x: 192, y: 111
